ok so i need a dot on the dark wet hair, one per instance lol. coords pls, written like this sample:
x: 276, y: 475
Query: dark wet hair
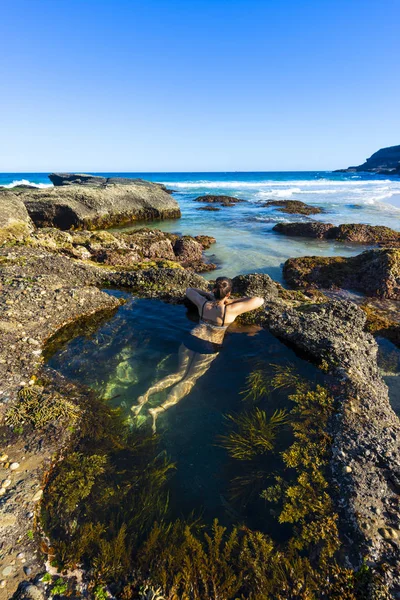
x: 222, y: 287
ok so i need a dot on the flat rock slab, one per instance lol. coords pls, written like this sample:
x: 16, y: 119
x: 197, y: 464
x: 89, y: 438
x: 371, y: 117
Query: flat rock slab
x: 86, y: 206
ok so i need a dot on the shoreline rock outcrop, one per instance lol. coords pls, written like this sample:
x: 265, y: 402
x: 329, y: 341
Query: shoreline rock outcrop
x: 135, y: 249
x: 365, y: 430
x: 91, y: 204
x: 385, y: 161
x: 357, y: 233
x: 373, y: 272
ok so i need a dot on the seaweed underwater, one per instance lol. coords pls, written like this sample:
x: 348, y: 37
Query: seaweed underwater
x: 106, y: 508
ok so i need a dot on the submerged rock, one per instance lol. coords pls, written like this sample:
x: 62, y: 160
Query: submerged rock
x: 348, y: 232
x: 374, y: 272
x: 294, y: 207
x: 15, y: 223
x: 94, y: 204
x: 219, y: 199
x: 209, y: 208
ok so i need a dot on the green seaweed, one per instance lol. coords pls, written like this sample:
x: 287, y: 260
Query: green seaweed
x: 105, y: 507
x: 38, y: 407
x: 255, y: 433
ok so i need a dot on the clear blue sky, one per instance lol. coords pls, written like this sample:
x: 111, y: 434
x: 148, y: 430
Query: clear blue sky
x: 182, y: 85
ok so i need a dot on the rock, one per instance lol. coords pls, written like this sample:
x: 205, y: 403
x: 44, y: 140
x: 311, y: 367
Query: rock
x: 187, y: 250
x: 167, y: 284
x: 59, y: 179
x: 125, y: 258
x: 205, y: 240
x: 220, y: 199
x: 385, y: 161
x: 309, y: 229
x: 151, y: 243
x: 255, y: 284
x: 374, y: 272
x: 102, y: 205
x: 381, y: 322
x: 352, y: 232
x: 15, y: 223
x: 62, y: 179
x: 37, y: 496
x: 14, y: 466
x: 127, y: 250
x: 294, y: 207
x: 210, y: 208
x: 29, y: 591
x: 364, y: 234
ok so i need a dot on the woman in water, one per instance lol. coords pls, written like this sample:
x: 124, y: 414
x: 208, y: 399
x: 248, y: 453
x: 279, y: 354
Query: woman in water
x: 201, y: 347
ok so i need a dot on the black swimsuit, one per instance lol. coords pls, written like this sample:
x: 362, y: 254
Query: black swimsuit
x: 201, y: 346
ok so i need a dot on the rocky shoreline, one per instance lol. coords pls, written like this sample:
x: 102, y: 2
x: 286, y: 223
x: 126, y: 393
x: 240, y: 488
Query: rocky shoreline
x: 385, y: 161
x: 52, y: 281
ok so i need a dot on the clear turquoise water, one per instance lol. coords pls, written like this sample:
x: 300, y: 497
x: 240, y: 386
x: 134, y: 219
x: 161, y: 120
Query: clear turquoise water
x: 245, y: 240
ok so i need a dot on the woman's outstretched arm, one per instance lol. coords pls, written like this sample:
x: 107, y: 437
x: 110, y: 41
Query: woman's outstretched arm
x: 242, y: 305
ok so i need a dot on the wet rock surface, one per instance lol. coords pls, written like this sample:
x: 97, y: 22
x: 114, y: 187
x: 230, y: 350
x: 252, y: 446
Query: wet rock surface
x: 374, y: 272
x: 95, y: 204
x: 294, y: 207
x: 348, y: 232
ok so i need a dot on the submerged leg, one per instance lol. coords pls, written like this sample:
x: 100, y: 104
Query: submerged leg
x: 199, y: 365
x: 184, y: 355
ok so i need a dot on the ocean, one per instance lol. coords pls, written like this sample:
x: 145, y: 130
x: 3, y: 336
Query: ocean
x: 245, y: 240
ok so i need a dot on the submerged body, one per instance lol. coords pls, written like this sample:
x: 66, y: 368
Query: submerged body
x: 202, y: 345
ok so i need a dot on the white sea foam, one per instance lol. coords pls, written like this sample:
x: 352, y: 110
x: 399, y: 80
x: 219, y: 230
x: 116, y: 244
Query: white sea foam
x: 273, y: 184
x: 17, y: 182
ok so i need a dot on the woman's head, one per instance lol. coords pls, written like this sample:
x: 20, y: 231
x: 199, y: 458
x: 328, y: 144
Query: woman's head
x: 222, y: 287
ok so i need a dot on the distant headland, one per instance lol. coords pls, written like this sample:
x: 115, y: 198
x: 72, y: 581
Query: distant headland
x: 385, y: 161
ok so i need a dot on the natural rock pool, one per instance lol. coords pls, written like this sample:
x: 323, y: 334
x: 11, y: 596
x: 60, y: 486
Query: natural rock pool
x: 139, y: 346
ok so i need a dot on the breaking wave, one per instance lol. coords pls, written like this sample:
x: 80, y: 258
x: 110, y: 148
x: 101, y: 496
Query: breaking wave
x: 18, y: 182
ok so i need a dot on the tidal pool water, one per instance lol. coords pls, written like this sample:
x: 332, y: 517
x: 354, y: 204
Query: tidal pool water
x: 138, y: 346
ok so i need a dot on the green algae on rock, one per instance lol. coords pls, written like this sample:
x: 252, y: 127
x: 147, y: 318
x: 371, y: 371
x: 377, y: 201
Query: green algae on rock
x: 92, y: 206
x: 374, y: 272
x: 128, y: 250
x: 15, y: 223
x: 348, y: 232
